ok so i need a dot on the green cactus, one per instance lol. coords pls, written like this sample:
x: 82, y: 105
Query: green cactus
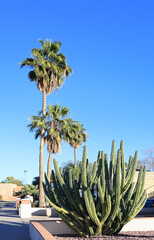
x: 102, y: 203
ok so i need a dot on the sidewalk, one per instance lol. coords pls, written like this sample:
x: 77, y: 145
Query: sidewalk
x: 11, y: 225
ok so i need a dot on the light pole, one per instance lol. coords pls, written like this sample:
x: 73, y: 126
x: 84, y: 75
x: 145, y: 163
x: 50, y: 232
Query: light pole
x: 25, y: 171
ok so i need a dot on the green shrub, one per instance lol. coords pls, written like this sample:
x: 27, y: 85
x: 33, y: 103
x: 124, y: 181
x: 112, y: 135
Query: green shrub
x: 31, y: 190
x: 102, y: 202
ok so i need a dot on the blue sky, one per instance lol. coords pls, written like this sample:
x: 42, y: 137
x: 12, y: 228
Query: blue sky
x: 110, y: 47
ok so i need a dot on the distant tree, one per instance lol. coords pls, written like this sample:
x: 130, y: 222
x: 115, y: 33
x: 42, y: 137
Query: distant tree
x: 139, y: 164
x: 30, y: 190
x: 148, y: 160
x: 75, y: 171
x: 35, y: 181
x: 13, y: 180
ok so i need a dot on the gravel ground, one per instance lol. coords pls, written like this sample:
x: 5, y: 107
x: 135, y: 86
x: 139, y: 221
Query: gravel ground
x: 121, y: 236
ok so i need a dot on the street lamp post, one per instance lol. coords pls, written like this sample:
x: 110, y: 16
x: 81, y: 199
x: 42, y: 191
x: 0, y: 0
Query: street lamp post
x: 25, y: 171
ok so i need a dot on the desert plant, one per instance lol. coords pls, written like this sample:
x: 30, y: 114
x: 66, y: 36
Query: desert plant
x: 100, y: 203
x: 30, y: 190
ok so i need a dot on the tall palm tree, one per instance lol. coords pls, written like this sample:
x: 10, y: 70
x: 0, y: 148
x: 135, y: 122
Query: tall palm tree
x: 74, y: 134
x: 49, y: 70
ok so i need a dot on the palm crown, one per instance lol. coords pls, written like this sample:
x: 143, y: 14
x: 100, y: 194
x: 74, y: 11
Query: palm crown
x: 74, y: 133
x: 49, y: 66
x: 52, y: 126
x: 55, y: 117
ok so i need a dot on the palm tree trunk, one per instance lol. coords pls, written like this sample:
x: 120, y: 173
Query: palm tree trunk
x: 75, y: 161
x: 41, y: 191
x: 49, y: 165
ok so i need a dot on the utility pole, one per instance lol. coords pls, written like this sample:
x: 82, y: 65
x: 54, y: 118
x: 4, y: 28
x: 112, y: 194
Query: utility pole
x: 25, y: 171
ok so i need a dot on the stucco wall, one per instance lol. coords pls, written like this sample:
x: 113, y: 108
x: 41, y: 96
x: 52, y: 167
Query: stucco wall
x: 6, y: 191
x: 149, y: 183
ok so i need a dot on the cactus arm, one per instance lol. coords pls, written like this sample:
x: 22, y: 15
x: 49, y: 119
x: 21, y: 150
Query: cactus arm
x: 101, y: 183
x: 140, y: 205
x: 122, y: 165
x: 143, y: 180
x: 61, y: 171
x: 84, y: 170
x: 107, y: 180
x: 93, y: 174
x: 93, y: 210
x: 59, y: 209
x: 92, y: 205
x: 115, y: 206
x: 88, y: 206
x: 130, y: 176
x: 112, y: 159
x: 108, y: 210
x: 87, y: 194
x: 131, y: 167
x: 84, y: 183
x: 99, y: 161
x: 106, y: 205
x: 130, y: 162
x: 72, y: 225
x: 101, y: 191
x: 138, y: 187
x: 129, y: 194
x: 70, y: 179
x: 117, y: 187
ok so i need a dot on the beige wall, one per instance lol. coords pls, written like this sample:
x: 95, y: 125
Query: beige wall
x: 149, y: 183
x: 6, y: 191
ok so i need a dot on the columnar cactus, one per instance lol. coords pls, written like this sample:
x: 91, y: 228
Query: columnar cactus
x: 100, y: 203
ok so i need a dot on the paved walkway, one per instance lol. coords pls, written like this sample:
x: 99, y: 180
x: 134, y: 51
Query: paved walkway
x: 11, y: 225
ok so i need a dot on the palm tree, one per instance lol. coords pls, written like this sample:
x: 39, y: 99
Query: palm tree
x: 55, y: 121
x: 53, y: 129
x: 74, y: 134
x: 49, y: 70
